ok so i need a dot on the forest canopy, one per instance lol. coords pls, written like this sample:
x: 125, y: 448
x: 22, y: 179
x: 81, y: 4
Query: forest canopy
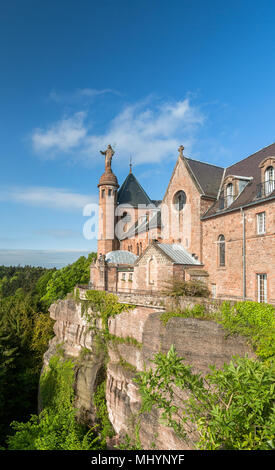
x: 26, y: 293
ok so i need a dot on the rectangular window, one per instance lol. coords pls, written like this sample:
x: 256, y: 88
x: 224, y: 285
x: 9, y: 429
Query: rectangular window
x: 131, y: 277
x: 261, y: 223
x: 123, y: 277
x: 262, y: 288
x: 103, y: 193
x: 109, y: 192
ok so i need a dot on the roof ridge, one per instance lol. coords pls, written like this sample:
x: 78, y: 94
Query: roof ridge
x: 249, y: 156
x: 205, y: 163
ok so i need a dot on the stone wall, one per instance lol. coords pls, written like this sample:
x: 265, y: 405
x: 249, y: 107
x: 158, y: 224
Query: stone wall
x: 201, y: 343
x: 259, y: 252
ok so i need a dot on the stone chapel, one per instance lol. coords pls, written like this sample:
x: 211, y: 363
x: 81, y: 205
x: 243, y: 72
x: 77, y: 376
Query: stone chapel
x: 214, y: 224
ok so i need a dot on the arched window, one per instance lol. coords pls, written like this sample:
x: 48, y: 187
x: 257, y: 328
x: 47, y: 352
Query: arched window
x: 269, y: 180
x: 229, y: 194
x: 221, y: 250
x: 179, y: 200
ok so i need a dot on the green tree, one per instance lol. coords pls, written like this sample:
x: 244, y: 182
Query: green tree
x: 64, y: 280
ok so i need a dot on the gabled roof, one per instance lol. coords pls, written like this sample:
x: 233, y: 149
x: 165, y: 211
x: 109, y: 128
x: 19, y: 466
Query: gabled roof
x: 208, y: 176
x: 247, y: 168
x: 178, y: 253
x: 174, y: 252
x: 131, y: 192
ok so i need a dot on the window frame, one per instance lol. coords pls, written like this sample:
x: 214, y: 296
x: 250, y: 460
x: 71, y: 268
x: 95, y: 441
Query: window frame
x: 262, y: 287
x: 261, y: 215
x: 221, y: 251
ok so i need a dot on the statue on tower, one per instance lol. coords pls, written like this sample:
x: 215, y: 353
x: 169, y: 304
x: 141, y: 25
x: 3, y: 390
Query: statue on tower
x: 108, y: 157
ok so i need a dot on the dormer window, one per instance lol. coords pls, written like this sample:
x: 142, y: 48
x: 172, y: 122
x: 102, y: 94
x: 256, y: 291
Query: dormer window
x: 267, y: 185
x: 269, y: 181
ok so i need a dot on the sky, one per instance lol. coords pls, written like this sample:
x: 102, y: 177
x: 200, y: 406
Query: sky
x: 145, y: 77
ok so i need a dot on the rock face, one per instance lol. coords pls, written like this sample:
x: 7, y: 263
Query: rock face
x: 200, y: 342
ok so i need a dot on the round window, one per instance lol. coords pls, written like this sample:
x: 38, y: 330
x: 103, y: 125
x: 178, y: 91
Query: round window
x: 179, y: 200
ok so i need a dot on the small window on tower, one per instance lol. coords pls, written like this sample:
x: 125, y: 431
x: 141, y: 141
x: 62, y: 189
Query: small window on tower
x: 109, y: 192
x: 103, y: 193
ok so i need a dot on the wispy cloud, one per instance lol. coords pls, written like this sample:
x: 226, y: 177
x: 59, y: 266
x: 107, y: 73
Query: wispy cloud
x: 79, y: 95
x: 147, y: 130
x: 61, y: 136
x: 42, y: 196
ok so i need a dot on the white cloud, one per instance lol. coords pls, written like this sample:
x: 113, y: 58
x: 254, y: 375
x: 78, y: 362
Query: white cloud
x: 41, y: 196
x: 62, y: 136
x: 148, y: 131
x: 149, y: 134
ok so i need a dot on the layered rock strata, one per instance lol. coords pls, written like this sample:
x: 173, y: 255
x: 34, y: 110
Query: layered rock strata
x: 200, y: 342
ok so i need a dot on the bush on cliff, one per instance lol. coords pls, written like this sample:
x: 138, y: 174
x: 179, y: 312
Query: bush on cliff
x: 254, y: 320
x: 231, y: 408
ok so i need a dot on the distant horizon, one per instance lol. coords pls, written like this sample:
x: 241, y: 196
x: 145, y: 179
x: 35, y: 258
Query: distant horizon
x: 40, y: 258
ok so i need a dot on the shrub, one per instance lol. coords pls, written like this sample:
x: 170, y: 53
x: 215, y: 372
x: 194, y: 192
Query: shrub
x: 231, y: 408
x: 178, y: 288
x: 253, y: 320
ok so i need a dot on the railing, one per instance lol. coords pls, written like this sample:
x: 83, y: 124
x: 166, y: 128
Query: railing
x: 265, y: 189
x: 121, y: 290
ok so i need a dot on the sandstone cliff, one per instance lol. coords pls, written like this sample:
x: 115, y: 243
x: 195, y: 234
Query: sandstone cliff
x: 200, y: 342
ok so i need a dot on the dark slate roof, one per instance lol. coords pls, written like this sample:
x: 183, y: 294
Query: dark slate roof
x: 132, y: 193
x: 249, y: 168
x: 208, y: 176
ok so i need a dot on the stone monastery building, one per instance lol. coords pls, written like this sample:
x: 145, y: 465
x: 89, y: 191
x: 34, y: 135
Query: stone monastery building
x: 214, y: 224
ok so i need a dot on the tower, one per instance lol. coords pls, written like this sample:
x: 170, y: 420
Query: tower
x: 108, y: 186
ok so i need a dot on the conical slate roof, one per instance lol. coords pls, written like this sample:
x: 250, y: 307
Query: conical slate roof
x: 132, y: 193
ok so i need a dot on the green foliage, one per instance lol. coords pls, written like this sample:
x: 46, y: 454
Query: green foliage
x: 56, y: 428
x: 198, y: 311
x: 126, y: 365
x: 253, y: 320
x: 64, y: 280
x: 125, y: 340
x: 25, y: 331
x: 105, y: 304
x: 13, y: 278
x: 231, y: 408
x: 105, y: 428
x: 178, y: 288
x: 24, y: 337
x: 131, y: 444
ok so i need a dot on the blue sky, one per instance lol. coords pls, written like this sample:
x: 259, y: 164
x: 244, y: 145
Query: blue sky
x: 143, y: 76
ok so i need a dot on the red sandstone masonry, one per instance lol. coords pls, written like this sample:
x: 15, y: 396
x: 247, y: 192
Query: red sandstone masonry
x: 260, y: 252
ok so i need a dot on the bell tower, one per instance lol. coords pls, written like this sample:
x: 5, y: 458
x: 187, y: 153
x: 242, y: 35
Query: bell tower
x: 108, y: 186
